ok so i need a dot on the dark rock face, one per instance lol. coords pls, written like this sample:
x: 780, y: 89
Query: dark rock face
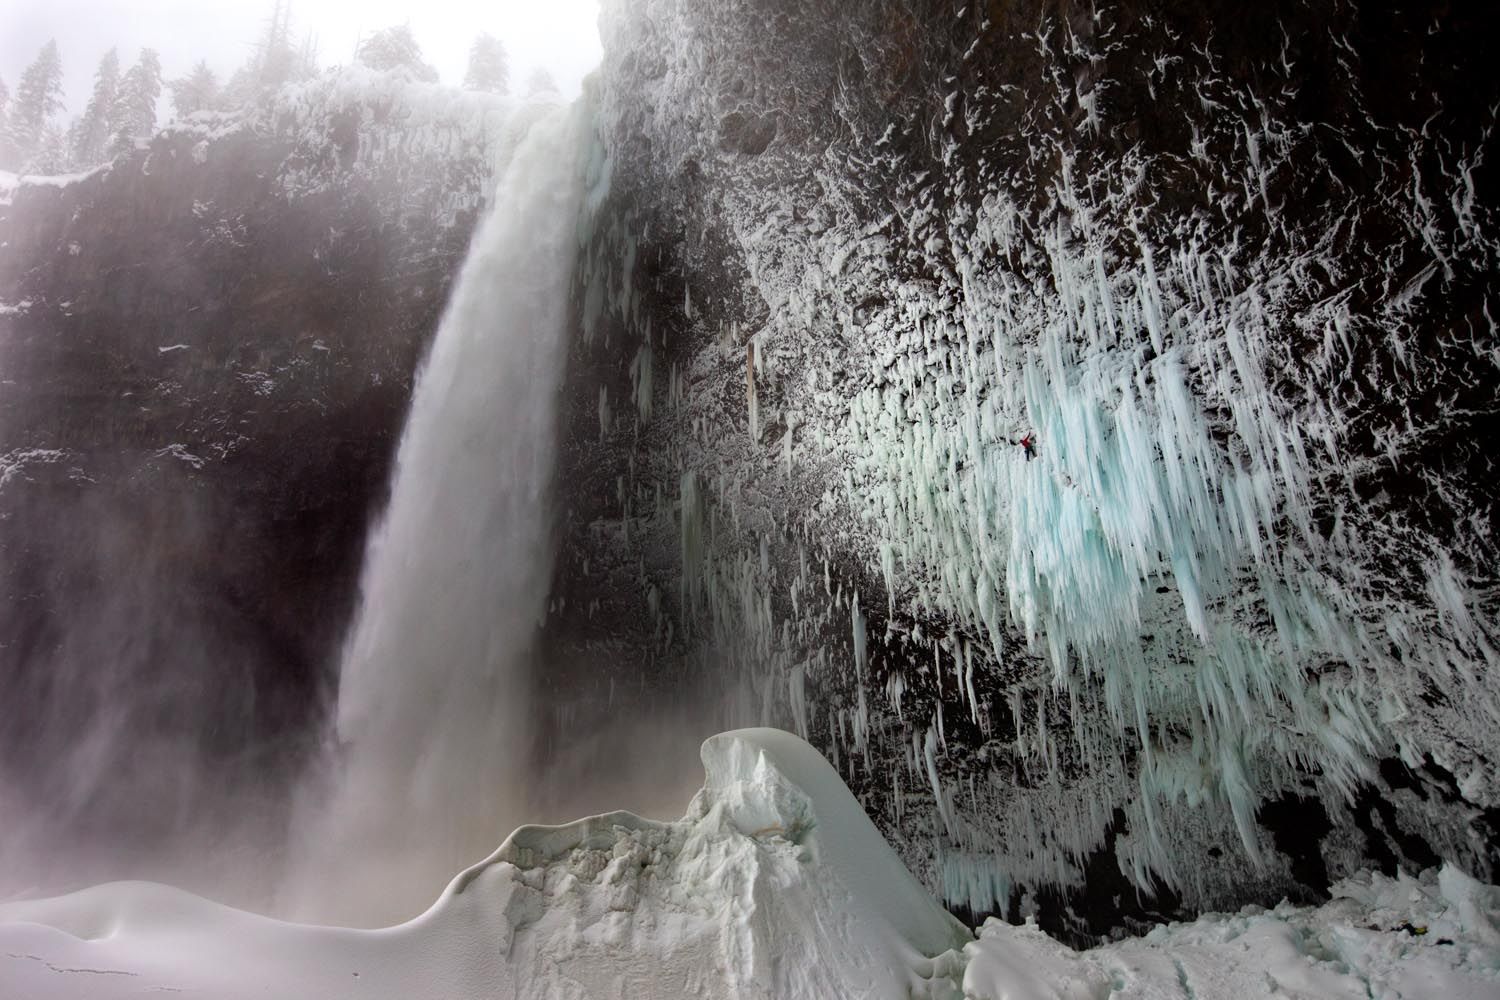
x: 1229, y: 634
x: 1233, y: 268
x: 208, y: 352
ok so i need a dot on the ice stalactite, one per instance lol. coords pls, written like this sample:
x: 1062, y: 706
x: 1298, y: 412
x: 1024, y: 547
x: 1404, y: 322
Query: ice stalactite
x: 1206, y: 585
x: 1169, y: 552
x: 1175, y: 494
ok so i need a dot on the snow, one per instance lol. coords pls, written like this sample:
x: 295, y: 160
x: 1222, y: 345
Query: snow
x: 10, y: 182
x: 13, y: 463
x: 1402, y: 937
x: 774, y: 884
x: 179, y: 451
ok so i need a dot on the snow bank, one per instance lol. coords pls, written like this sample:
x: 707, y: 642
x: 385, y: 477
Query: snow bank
x: 1403, y: 937
x: 773, y: 885
x: 10, y: 182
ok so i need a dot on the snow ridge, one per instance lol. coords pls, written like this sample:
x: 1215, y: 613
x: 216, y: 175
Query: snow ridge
x: 774, y: 884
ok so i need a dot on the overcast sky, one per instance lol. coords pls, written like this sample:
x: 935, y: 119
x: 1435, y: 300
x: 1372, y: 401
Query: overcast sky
x: 561, y: 36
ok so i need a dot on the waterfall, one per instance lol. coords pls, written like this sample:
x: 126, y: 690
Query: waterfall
x: 432, y: 717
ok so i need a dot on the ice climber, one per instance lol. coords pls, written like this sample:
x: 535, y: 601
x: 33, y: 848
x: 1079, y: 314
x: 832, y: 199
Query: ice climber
x: 1028, y: 444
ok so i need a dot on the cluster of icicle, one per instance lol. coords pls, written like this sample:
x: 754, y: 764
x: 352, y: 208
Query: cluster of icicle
x: 1182, y: 555
x: 1173, y: 499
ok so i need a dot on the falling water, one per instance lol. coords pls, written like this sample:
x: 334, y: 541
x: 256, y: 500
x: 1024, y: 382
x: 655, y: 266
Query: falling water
x: 432, y: 709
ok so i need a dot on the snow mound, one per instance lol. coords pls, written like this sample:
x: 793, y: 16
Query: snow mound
x: 773, y: 885
x: 1403, y: 937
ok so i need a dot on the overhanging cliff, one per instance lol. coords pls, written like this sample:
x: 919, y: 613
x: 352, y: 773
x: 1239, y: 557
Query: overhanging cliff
x: 208, y: 350
x: 1230, y: 634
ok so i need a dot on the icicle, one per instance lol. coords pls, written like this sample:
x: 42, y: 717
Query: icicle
x: 640, y: 376
x: 859, y: 640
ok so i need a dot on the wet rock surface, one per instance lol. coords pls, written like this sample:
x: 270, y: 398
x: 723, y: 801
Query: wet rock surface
x: 1216, y: 260
x: 207, y: 350
x: 1228, y: 636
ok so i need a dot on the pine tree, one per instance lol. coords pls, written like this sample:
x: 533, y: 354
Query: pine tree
x: 198, y: 91
x: 540, y: 82
x: 51, y: 156
x: 134, y: 114
x: 90, y: 136
x: 274, y: 56
x: 489, y: 66
x: 305, y: 65
x: 395, y: 49
x: 273, y: 63
x: 38, y: 99
x: 240, y: 89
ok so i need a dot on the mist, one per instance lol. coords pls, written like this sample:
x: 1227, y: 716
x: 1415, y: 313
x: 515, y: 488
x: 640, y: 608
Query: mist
x: 278, y: 514
x: 560, y: 38
x: 262, y: 671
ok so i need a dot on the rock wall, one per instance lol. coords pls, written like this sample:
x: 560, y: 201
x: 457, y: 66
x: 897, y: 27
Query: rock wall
x: 207, y: 350
x: 1230, y: 633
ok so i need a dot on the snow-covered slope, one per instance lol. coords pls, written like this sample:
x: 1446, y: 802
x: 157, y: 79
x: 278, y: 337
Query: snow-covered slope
x: 1397, y: 938
x: 774, y: 885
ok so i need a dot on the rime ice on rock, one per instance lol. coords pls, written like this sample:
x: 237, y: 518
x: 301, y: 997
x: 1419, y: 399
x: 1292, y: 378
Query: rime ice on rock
x: 1185, y: 604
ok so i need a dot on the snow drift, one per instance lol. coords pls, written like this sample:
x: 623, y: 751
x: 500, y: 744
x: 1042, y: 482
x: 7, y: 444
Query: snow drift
x: 773, y: 885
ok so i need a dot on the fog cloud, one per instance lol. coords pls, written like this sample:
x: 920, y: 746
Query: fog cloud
x: 561, y: 37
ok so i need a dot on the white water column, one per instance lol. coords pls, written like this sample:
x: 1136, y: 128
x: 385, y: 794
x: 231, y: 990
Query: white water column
x: 432, y: 721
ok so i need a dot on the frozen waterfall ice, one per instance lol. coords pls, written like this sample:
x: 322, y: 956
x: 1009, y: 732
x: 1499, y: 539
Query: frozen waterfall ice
x: 431, y: 715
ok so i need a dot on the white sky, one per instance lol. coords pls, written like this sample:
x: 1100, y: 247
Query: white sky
x: 561, y: 36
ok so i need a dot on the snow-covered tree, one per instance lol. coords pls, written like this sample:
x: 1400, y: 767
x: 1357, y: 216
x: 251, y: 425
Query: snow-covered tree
x: 198, y: 91
x: 239, y: 90
x: 274, y: 56
x: 540, y: 82
x: 395, y: 49
x: 305, y: 66
x: 273, y: 62
x: 4, y: 102
x: 89, y: 140
x: 489, y: 66
x: 134, y: 114
x: 52, y: 155
x: 38, y: 100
